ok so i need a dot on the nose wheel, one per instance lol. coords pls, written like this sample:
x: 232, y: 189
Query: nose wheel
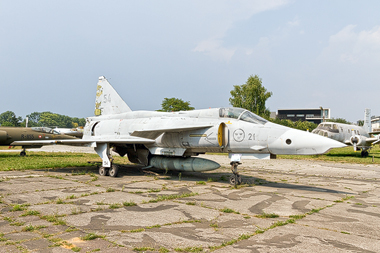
x: 235, y: 179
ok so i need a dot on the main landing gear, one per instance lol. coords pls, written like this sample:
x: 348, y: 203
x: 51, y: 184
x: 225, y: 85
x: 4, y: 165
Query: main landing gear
x: 235, y: 179
x: 23, y: 153
x: 112, y: 171
x: 364, y: 153
x: 107, y: 168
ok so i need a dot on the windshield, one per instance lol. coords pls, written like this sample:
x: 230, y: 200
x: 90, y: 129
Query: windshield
x: 241, y: 114
x: 230, y: 112
x: 45, y: 130
x: 253, y: 118
x: 329, y: 127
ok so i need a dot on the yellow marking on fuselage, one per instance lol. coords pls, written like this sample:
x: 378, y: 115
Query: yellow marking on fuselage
x: 198, y: 135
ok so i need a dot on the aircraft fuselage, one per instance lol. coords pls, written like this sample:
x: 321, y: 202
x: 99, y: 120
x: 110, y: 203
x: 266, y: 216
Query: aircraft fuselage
x: 189, y: 133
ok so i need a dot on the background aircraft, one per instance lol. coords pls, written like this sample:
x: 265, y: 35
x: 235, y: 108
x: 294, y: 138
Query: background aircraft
x: 170, y: 140
x: 354, y: 135
x: 76, y: 132
x: 9, y: 135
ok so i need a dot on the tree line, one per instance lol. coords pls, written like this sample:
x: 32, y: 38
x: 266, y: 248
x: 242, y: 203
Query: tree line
x: 251, y: 95
x: 41, y: 119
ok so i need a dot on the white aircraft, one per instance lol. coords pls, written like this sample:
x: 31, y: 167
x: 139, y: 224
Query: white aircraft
x: 357, y: 136
x: 76, y: 132
x: 172, y: 140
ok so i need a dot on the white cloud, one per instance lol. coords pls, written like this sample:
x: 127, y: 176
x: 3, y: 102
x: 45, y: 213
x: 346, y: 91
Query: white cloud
x: 262, y: 48
x: 213, y: 48
x: 294, y: 22
x: 265, y: 44
x: 225, y: 15
x: 348, y: 46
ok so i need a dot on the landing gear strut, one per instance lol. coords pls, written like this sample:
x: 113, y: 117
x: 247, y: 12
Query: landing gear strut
x: 235, y: 179
x: 107, y: 168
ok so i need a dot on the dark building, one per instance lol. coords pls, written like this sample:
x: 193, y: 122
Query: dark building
x: 312, y: 115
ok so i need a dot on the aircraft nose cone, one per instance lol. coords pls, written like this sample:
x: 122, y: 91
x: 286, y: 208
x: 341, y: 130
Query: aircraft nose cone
x: 297, y: 142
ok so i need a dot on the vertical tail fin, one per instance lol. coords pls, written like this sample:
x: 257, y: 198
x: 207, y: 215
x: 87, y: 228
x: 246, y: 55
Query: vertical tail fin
x: 367, y: 120
x: 108, y: 101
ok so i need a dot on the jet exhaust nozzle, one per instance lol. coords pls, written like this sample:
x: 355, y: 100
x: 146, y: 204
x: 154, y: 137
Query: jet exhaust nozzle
x: 183, y: 163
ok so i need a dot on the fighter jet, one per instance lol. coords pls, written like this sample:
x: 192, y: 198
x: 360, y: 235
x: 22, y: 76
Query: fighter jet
x: 357, y: 136
x: 9, y: 135
x: 76, y: 132
x: 172, y: 140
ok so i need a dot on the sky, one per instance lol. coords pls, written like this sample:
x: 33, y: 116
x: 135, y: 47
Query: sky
x: 307, y: 53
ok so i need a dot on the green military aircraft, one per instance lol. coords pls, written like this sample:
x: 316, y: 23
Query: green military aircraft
x: 11, y: 134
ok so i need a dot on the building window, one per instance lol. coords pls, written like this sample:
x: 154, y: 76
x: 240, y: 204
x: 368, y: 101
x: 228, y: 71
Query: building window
x: 300, y: 115
x: 290, y: 115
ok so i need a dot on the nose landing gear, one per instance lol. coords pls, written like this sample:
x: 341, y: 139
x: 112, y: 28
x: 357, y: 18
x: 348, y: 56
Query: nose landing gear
x: 235, y: 179
x: 112, y: 171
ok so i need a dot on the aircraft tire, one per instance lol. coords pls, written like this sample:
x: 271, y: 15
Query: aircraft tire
x: 114, y: 170
x: 235, y: 179
x: 239, y: 179
x: 22, y: 153
x: 103, y: 171
x: 364, y: 153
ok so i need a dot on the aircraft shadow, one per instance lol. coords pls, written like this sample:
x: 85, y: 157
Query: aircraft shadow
x: 222, y: 177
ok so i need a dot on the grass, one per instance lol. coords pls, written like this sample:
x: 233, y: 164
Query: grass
x: 228, y: 210
x: 44, y: 160
x: 31, y: 228
x: 297, y: 216
x: 144, y: 249
x: 267, y: 215
x: 91, y: 236
x: 342, y: 155
x: 129, y: 203
x: 170, y: 197
x: 189, y: 249
x: 18, y: 207
x: 55, y: 219
x: 31, y: 212
x: 115, y: 205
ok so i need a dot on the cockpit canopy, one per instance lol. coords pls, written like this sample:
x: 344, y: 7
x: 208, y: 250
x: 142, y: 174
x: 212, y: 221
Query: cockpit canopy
x: 328, y: 127
x: 241, y: 114
x: 45, y: 130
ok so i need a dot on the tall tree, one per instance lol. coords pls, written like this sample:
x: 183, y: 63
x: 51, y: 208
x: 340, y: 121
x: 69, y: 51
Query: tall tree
x: 251, y: 96
x: 33, y: 119
x: 174, y: 105
x: 9, y: 118
x: 50, y: 119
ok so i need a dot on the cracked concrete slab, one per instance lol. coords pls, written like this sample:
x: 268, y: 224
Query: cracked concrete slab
x: 317, y: 206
